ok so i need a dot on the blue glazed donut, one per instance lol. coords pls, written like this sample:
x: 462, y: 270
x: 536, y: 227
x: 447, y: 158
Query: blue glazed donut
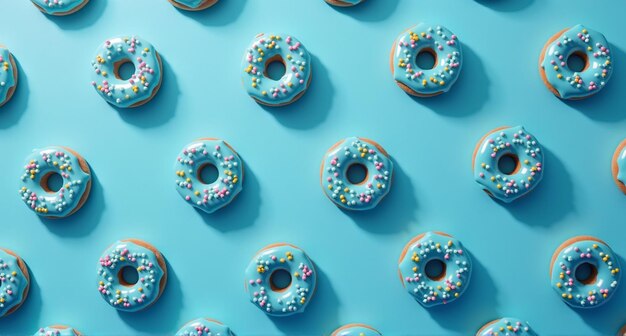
x: 435, y: 289
x: 439, y: 42
x: 14, y: 282
x: 8, y: 75
x: 591, y: 47
x: 364, y: 195
x: 57, y: 330
x: 603, y: 277
x: 268, y: 296
x: 151, y: 273
x: 204, y: 327
x: 356, y: 329
x: 526, y: 152
x: 59, y: 7
x: 193, y: 5
x: 344, y: 3
x: 141, y: 86
x: 266, y: 49
x: 618, y: 166
x: 208, y: 197
x: 42, y: 164
x: 506, y: 326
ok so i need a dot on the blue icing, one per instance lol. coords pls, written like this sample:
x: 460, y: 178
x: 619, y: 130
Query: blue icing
x: 264, y: 50
x: 56, y: 331
x: 58, y: 6
x: 204, y: 327
x: 214, y: 196
x: 570, y: 84
x: 455, y: 277
x: 13, y: 282
x: 511, y: 141
x: 356, y: 330
x: 7, y: 74
x: 131, y: 298
x: 507, y: 326
x: 141, y: 86
x: 435, y: 39
x: 191, y: 3
x: 50, y: 160
x: 621, y: 164
x: 287, y: 301
x: 600, y: 289
x: 367, y: 194
x: 350, y: 2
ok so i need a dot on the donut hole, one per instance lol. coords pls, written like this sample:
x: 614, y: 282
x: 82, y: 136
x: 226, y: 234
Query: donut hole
x: 280, y: 280
x: 208, y: 173
x: 435, y: 269
x: 275, y: 68
x: 123, y: 69
x: 426, y: 59
x: 508, y: 164
x: 51, y: 182
x: 128, y: 276
x: 356, y: 173
x: 586, y: 273
x: 578, y: 61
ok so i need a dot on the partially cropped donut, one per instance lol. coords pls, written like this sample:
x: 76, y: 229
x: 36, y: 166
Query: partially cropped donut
x: 436, y: 40
x: 193, y: 5
x: 151, y: 271
x: 8, y: 75
x: 587, y: 44
x: 15, y: 282
x: 618, y: 166
x: 60, y: 7
x: 506, y: 326
x: 204, y: 327
x: 57, y: 330
x: 356, y: 329
x: 622, y: 332
x: 143, y: 84
x: 597, y: 284
x: 344, y: 3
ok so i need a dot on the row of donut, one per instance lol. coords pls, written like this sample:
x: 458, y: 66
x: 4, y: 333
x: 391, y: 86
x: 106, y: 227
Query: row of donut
x: 441, y: 43
x: 337, y: 173
x: 434, y: 268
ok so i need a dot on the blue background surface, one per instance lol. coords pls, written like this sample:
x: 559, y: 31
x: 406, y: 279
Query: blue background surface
x: 132, y: 152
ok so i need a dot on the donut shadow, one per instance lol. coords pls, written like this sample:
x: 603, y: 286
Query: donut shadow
x: 464, y: 315
x: 370, y: 10
x: 550, y: 201
x: 85, y: 17
x: 242, y: 211
x: 314, y: 105
x: 400, y: 204
x: 161, y: 108
x: 465, y: 97
x: 12, y: 111
x: 602, y: 105
x: 27, y: 314
x: 162, y: 317
x: 320, y: 316
x: 220, y: 14
x: 85, y: 219
x: 611, y: 316
x: 506, y: 5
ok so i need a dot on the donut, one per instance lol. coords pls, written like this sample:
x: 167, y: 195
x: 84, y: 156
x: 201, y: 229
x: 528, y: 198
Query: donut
x: 8, y: 75
x: 269, y: 48
x: 361, y: 195
x: 585, y: 43
x: 151, y: 275
x: 356, y: 329
x: 59, y: 7
x: 42, y: 164
x: 272, y: 298
x: 208, y: 196
x: 438, y: 41
x: 142, y: 86
x: 595, y: 288
x: 435, y: 289
x: 57, y: 330
x: 204, y: 327
x: 520, y: 146
x: 14, y: 282
x: 193, y: 5
x: 344, y: 3
x: 622, y: 332
x: 618, y: 166
x: 506, y: 326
